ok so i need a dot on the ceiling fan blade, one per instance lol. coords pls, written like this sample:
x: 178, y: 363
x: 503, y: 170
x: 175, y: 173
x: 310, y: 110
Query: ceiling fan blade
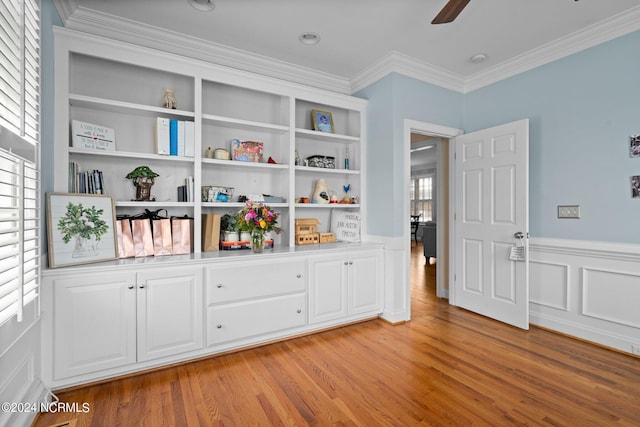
x: 450, y: 11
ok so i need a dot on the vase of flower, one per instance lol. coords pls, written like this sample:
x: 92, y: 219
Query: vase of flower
x: 257, y: 241
x: 259, y: 219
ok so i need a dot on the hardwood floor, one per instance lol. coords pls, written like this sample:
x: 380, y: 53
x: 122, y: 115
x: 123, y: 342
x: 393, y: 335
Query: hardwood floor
x: 446, y: 366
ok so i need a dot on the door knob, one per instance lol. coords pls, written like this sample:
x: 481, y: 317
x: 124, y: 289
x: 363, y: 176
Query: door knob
x: 519, y: 235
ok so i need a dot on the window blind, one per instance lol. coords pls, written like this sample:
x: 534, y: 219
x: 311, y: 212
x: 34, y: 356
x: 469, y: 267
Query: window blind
x: 19, y: 159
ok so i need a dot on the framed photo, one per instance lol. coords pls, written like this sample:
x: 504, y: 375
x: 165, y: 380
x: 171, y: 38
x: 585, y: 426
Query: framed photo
x: 322, y: 121
x: 635, y: 187
x: 80, y: 229
x: 634, y: 146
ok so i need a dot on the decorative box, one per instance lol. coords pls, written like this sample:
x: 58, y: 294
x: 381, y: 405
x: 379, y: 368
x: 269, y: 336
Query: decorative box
x: 214, y: 193
x: 318, y: 161
x: 93, y: 137
x: 246, y: 151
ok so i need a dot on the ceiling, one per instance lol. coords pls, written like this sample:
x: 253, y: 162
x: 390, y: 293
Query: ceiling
x: 357, y: 35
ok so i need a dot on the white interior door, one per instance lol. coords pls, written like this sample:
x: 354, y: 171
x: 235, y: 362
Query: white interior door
x: 491, y: 206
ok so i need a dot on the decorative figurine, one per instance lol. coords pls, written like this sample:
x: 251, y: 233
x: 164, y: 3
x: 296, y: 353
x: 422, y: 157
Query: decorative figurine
x: 169, y: 99
x: 321, y: 192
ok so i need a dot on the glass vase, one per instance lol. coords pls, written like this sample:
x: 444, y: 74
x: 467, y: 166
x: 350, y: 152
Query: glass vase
x: 257, y: 242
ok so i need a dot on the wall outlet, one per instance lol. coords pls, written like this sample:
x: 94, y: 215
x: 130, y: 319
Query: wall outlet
x: 569, y: 211
x: 635, y: 349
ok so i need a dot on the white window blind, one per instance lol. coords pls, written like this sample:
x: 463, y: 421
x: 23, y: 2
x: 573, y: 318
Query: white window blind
x: 20, y: 68
x: 19, y: 158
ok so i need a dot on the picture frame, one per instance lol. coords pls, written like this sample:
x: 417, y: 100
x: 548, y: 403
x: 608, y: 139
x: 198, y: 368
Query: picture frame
x: 322, y: 121
x: 80, y: 229
x: 635, y: 187
x: 634, y: 146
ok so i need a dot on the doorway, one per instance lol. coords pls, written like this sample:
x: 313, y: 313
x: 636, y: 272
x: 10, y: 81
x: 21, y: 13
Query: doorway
x: 440, y: 137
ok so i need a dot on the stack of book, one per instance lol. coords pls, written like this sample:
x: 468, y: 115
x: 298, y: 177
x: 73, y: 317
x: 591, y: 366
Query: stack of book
x: 175, y: 137
x: 85, y: 182
x: 186, y: 192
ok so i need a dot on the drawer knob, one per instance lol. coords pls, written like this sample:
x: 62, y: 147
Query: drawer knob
x: 141, y: 286
x: 299, y: 275
x: 346, y: 263
x: 299, y: 311
x: 131, y: 286
x: 219, y: 326
x: 350, y: 262
x: 219, y: 285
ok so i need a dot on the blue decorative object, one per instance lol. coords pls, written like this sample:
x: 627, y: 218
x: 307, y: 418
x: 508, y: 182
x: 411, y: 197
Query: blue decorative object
x: 346, y: 188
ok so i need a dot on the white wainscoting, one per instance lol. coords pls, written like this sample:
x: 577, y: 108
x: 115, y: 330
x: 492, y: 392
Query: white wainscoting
x: 589, y: 290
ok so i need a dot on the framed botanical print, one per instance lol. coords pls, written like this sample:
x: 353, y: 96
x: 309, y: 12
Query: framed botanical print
x: 80, y: 229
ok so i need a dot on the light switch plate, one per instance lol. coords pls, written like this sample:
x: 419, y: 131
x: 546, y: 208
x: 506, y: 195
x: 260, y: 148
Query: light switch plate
x: 569, y: 211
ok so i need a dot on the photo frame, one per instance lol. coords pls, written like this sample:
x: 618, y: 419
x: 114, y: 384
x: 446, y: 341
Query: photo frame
x: 635, y: 187
x: 634, y: 146
x: 322, y: 121
x: 80, y: 229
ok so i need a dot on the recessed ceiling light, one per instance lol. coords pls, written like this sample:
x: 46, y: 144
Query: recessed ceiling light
x: 309, y: 38
x: 203, y: 5
x: 480, y: 57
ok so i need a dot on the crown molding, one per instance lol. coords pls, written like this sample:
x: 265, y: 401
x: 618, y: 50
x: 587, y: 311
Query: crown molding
x: 126, y: 30
x: 403, y: 64
x: 603, y: 31
x: 65, y: 8
x: 90, y: 21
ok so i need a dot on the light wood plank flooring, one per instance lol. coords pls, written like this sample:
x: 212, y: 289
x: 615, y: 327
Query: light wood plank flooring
x: 446, y: 366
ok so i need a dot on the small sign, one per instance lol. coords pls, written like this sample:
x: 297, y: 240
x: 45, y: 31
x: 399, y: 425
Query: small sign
x: 92, y: 137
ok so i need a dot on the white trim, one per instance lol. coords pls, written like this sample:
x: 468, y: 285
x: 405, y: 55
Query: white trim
x: 603, y: 31
x: 613, y: 325
x: 90, y: 21
x: 403, y: 64
x: 137, y: 33
x: 442, y: 132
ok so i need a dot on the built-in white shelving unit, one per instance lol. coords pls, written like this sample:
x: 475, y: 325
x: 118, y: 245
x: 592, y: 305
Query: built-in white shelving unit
x: 120, y: 86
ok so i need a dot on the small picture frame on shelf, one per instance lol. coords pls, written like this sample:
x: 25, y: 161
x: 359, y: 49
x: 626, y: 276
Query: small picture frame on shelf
x: 80, y: 229
x: 322, y: 121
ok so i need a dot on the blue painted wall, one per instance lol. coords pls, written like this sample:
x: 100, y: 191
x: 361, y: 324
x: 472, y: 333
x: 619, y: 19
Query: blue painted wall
x: 582, y: 110
x: 393, y: 99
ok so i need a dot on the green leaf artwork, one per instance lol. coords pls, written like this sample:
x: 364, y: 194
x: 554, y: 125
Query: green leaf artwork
x: 83, y: 222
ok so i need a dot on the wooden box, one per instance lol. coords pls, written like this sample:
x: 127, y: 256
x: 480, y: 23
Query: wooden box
x: 327, y: 237
x: 307, y: 239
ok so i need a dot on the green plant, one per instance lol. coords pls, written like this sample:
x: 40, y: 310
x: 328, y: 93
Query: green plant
x: 142, y: 172
x: 228, y: 222
x: 82, y: 222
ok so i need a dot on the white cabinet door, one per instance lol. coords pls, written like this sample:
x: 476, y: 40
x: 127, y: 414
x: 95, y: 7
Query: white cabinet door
x: 365, y: 272
x: 169, y: 312
x: 94, y: 323
x: 327, y: 287
x: 345, y: 285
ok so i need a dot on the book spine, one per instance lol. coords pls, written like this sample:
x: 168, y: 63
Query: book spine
x: 162, y: 136
x: 181, y: 138
x: 189, y: 139
x: 173, y: 137
x: 96, y: 181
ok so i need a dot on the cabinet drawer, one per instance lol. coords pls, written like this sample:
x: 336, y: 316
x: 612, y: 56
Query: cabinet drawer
x: 242, y: 320
x: 255, y: 280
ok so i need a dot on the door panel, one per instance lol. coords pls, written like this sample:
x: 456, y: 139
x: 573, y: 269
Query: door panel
x: 491, y: 205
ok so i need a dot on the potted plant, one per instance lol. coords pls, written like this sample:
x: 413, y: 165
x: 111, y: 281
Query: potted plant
x: 229, y: 228
x: 143, y: 178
